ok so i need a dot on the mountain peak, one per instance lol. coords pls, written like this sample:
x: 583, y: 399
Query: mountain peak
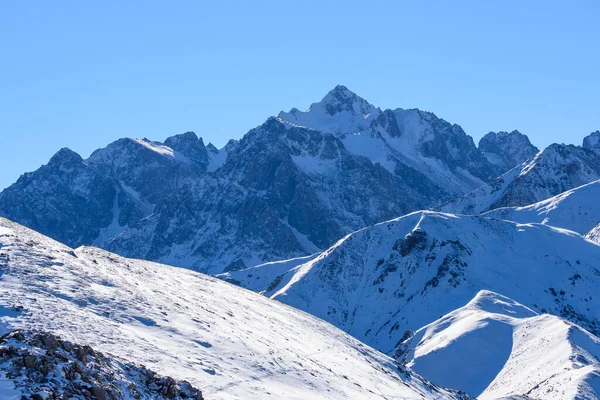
x: 507, y: 149
x: 592, y: 141
x: 190, y: 145
x: 184, y: 139
x: 65, y: 156
x: 341, y: 99
x: 340, y: 111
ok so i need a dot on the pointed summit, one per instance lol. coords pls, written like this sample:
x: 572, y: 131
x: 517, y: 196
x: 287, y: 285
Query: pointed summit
x: 341, y: 111
x: 65, y: 156
x: 342, y: 99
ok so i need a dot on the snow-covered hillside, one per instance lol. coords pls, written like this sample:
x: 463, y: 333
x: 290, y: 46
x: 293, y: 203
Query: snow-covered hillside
x: 382, y: 281
x: 594, y: 234
x: 228, y: 342
x: 494, y: 347
x: 576, y: 209
x: 552, y: 171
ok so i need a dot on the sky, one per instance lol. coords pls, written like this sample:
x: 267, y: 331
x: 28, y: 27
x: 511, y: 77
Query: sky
x: 83, y: 74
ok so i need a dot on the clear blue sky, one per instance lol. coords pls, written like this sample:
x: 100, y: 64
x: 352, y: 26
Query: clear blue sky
x: 82, y: 74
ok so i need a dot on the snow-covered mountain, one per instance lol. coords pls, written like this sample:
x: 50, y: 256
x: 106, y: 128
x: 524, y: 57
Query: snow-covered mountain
x: 283, y: 191
x: 400, y: 139
x: 576, y: 209
x: 494, y: 347
x: 228, y: 342
x: 80, y: 201
x: 288, y: 188
x: 506, y: 149
x: 556, y: 169
x: 381, y: 282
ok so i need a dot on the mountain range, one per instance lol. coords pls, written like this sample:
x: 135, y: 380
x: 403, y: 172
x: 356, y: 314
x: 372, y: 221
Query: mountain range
x: 288, y: 188
x: 390, y: 257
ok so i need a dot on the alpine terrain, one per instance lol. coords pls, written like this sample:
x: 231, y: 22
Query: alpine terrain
x: 290, y: 187
x: 355, y: 253
x: 227, y: 342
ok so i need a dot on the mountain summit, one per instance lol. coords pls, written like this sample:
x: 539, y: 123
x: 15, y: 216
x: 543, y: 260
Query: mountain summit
x: 340, y: 111
x: 507, y: 149
x: 341, y: 99
x: 592, y: 141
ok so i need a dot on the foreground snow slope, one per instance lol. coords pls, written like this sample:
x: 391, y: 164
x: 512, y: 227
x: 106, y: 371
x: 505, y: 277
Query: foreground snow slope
x: 495, y: 347
x: 400, y: 275
x: 576, y: 209
x: 229, y: 342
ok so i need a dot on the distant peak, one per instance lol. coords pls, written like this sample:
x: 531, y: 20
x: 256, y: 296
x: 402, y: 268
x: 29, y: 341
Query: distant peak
x: 343, y: 90
x: 341, y: 99
x: 186, y: 137
x: 211, y: 147
x: 505, y: 137
x: 189, y: 134
x: 65, y: 156
x: 592, y: 141
x: 514, y: 133
x: 190, y: 145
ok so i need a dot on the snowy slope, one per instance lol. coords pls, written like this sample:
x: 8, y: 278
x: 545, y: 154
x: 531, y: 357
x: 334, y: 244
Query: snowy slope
x: 494, y: 347
x: 576, y: 209
x: 594, y: 234
x: 229, y: 342
x: 400, y: 275
x: 552, y: 171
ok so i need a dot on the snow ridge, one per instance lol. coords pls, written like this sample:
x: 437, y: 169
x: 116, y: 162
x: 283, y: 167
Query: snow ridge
x: 576, y: 209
